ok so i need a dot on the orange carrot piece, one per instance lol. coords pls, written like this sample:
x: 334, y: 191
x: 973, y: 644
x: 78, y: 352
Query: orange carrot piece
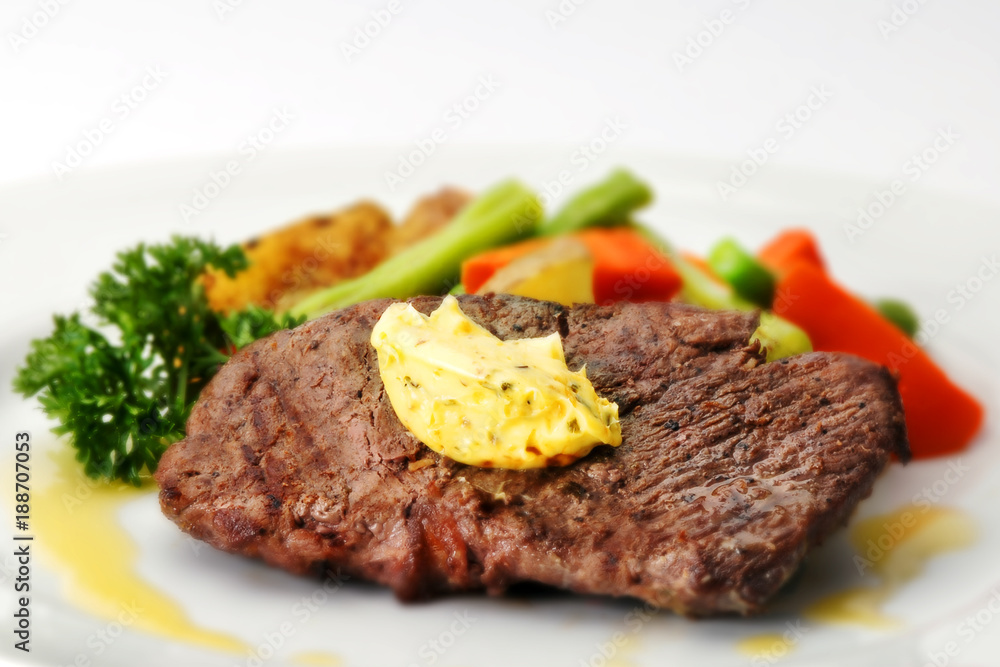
x: 627, y: 267
x: 940, y: 416
x: 789, y: 248
x: 480, y: 268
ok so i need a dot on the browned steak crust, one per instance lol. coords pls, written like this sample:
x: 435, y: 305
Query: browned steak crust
x: 729, y: 471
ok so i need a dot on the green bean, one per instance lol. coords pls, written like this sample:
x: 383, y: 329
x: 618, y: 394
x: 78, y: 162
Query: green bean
x: 505, y: 213
x: 899, y: 313
x: 780, y: 338
x: 777, y: 336
x: 607, y: 203
x: 739, y: 268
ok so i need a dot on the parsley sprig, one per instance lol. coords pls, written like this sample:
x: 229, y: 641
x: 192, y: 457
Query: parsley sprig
x: 123, y: 391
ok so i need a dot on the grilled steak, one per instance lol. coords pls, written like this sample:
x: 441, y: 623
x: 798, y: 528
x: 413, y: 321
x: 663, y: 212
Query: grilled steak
x: 729, y: 471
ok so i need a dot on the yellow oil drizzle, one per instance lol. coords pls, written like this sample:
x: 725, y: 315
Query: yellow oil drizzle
x: 75, y: 527
x: 316, y: 659
x: 765, y: 645
x: 895, y: 547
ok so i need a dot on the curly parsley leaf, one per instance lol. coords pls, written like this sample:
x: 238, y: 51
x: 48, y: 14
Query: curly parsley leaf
x: 122, y: 404
x: 245, y: 326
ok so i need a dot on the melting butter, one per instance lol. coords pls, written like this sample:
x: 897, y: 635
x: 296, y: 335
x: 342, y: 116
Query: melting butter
x: 895, y: 547
x: 76, y: 529
x: 483, y: 401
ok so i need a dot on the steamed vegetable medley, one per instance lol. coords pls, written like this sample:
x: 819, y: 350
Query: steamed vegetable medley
x: 122, y: 388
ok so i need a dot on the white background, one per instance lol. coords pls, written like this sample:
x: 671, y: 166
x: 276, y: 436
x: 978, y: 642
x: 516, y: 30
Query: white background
x: 224, y: 73
x: 892, y: 85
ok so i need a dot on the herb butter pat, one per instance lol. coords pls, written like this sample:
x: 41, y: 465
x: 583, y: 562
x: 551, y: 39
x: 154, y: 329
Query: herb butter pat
x: 487, y: 402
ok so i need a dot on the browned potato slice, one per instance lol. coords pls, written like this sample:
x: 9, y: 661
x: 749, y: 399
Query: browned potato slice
x: 427, y: 216
x: 562, y: 270
x: 314, y: 252
x: 320, y: 251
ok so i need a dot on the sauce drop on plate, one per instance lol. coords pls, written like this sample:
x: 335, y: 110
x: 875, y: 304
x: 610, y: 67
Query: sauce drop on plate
x: 316, y: 659
x: 895, y: 547
x: 765, y: 646
x: 76, y: 529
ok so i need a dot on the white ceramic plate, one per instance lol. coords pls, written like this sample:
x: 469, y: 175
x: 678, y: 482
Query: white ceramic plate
x: 57, y: 236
